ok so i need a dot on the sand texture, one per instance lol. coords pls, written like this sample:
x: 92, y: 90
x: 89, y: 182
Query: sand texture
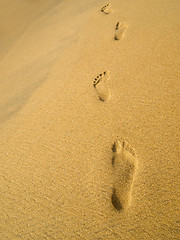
x: 89, y: 119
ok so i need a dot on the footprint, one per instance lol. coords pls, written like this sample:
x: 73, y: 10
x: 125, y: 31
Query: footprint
x: 100, y: 84
x: 125, y: 165
x: 106, y: 9
x: 120, y: 30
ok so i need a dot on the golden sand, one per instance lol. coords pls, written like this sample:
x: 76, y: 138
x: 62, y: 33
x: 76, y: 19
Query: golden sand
x: 89, y: 129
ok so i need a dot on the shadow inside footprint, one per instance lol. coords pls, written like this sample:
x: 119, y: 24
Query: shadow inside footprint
x: 113, y: 148
x: 115, y: 201
x: 117, y: 146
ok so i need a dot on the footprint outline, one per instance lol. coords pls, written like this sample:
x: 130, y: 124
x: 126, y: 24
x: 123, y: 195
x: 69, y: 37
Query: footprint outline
x: 100, y: 84
x: 124, y: 164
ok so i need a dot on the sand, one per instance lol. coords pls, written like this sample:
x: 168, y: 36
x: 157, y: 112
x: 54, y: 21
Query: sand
x: 89, y: 131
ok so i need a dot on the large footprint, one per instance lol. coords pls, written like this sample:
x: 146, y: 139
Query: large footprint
x: 106, y: 9
x: 120, y: 30
x: 124, y: 165
x: 100, y: 84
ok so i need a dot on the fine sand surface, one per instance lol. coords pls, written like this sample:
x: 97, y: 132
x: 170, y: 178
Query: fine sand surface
x: 89, y: 129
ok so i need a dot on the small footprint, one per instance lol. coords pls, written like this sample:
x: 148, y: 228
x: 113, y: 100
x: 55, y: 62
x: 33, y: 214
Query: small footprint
x: 120, y: 30
x: 106, y: 9
x: 100, y: 84
x: 124, y: 165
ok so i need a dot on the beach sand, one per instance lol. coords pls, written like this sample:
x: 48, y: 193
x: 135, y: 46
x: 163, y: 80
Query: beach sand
x: 89, y: 130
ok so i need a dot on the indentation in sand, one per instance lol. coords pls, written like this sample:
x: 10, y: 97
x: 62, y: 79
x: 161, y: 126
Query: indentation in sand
x: 115, y: 200
x: 124, y: 166
x: 120, y: 30
x: 106, y: 9
x: 117, y: 26
x: 100, y: 84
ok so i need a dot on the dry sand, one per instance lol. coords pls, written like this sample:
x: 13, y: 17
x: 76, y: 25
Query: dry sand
x: 79, y: 161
